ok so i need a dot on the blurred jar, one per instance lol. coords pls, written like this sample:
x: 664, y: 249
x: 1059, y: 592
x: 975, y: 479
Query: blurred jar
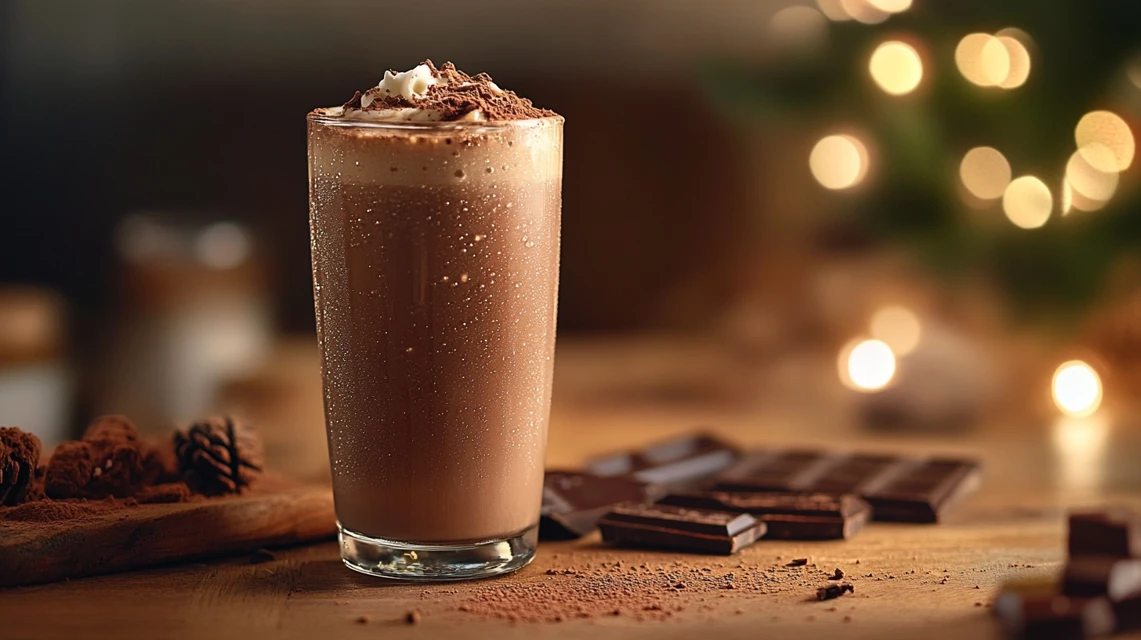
x: 196, y: 313
x: 284, y: 401
x: 35, y: 378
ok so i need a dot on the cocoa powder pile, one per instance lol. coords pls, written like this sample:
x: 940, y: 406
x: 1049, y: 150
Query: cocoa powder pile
x: 640, y: 591
x: 113, y: 468
x: 457, y: 95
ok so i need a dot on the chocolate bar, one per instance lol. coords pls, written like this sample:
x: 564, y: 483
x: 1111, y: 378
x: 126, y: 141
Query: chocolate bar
x: 1113, y: 532
x: 1128, y: 613
x: 1035, y: 609
x: 573, y: 502
x: 680, y: 529
x: 788, y: 516
x: 1091, y: 576
x: 898, y: 488
x: 677, y: 463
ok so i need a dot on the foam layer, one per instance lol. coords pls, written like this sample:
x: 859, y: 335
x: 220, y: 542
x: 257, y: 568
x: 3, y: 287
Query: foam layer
x: 359, y: 152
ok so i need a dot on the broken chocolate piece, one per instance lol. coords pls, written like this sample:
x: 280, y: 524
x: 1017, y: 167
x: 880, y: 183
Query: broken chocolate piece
x: 789, y: 516
x: 573, y: 502
x: 899, y: 489
x: 833, y: 591
x: 1111, y: 532
x: 680, y: 529
x: 1035, y: 609
x: 1092, y: 576
x: 677, y: 463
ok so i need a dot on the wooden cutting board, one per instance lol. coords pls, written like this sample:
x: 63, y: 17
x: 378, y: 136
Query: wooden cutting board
x: 280, y: 512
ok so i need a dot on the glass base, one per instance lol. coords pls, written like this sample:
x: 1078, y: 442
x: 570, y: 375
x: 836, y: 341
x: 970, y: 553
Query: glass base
x: 427, y: 562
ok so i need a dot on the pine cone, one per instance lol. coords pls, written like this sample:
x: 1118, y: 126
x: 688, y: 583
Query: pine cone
x: 19, y: 458
x: 219, y: 455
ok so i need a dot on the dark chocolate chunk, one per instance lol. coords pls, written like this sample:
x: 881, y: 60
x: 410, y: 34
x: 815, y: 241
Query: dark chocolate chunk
x: 680, y: 529
x: 676, y: 463
x: 1112, y: 532
x: 789, y: 516
x: 1036, y: 609
x: 573, y: 502
x: 923, y: 490
x: 899, y: 489
x: 1128, y: 613
x: 1091, y: 576
x: 833, y: 591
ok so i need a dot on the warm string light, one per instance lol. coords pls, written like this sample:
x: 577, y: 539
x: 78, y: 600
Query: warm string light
x: 985, y: 172
x: 839, y: 161
x: 896, y: 68
x: 1027, y: 202
x: 864, y: 11
x: 897, y: 327
x: 1076, y: 388
x: 1000, y: 60
x: 798, y: 28
x: 866, y: 365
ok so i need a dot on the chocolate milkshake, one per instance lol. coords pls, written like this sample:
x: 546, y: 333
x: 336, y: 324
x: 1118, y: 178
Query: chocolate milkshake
x: 434, y: 220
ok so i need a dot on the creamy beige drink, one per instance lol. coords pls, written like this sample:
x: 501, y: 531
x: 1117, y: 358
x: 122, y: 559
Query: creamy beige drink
x: 434, y: 217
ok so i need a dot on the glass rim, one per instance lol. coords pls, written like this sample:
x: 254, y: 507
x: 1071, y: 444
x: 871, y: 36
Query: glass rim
x: 432, y: 126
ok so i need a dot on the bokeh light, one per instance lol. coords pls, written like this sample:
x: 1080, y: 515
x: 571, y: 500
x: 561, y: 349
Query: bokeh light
x: 896, y: 67
x: 1133, y: 71
x: 1108, y: 129
x: 898, y: 327
x: 985, y: 172
x: 1086, y: 179
x: 222, y: 245
x: 839, y: 161
x: 866, y: 365
x: 1027, y: 202
x: 891, y: 6
x: 1067, y: 203
x: 864, y: 11
x: 798, y: 28
x: 982, y: 59
x: 1019, y: 62
x: 1076, y: 389
x: 834, y: 10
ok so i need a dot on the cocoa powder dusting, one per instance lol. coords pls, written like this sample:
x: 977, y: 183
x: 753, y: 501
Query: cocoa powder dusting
x: 637, y: 591
x: 457, y: 95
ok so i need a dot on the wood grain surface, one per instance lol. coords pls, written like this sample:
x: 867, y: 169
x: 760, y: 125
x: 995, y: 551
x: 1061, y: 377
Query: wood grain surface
x: 928, y: 582
x: 279, y: 512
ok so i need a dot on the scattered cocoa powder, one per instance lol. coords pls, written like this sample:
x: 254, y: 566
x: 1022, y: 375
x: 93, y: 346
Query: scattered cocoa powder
x: 640, y: 592
x: 58, y: 510
x: 165, y: 493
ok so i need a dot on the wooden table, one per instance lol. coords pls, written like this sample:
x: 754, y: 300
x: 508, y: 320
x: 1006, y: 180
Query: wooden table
x: 911, y: 581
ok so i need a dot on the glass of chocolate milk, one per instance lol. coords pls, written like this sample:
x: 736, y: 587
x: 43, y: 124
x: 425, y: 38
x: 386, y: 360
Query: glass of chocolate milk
x: 435, y: 203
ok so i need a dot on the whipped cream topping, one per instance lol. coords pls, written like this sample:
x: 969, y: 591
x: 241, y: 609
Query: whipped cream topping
x: 412, y: 85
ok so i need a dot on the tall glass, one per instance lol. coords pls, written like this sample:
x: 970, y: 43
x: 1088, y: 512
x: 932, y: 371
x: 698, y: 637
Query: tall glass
x: 435, y: 277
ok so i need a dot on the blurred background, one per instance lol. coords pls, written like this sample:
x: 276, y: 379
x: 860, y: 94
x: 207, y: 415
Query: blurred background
x: 909, y: 217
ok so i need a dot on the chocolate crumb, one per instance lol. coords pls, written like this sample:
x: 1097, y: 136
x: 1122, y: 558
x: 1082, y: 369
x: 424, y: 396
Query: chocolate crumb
x: 833, y: 591
x: 798, y: 562
x: 847, y: 618
x: 412, y: 617
x: 362, y: 620
x: 837, y: 575
x: 262, y: 556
